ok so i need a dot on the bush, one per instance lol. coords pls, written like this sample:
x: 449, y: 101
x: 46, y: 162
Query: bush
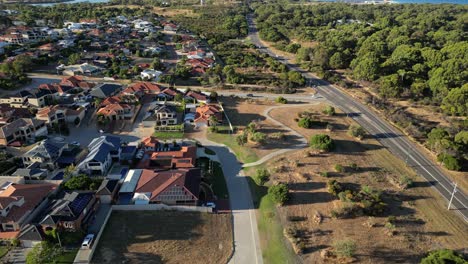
x: 281, y: 100
x: 262, y: 176
x: 305, y: 122
x: 321, y: 142
x: 241, y: 139
x: 258, y: 137
x: 354, y: 166
x: 329, y: 110
x: 406, y: 182
x: 356, y: 131
x: 324, y: 174
x: 345, y: 248
x: 339, y: 168
x: 443, y: 256
x: 279, y: 193
x: 450, y: 162
x: 334, y: 187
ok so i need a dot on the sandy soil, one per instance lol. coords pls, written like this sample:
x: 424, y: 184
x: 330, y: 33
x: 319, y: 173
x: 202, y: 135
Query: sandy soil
x: 165, y: 237
x: 419, y: 226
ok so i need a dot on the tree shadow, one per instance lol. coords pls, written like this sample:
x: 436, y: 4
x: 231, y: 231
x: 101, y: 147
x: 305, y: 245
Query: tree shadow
x: 306, y: 186
x: 300, y: 197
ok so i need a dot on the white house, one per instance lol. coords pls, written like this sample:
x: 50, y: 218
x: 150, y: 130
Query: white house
x: 151, y: 74
x: 102, y: 151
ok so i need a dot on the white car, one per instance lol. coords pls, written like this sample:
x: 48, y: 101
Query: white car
x: 88, y: 241
x: 210, y: 204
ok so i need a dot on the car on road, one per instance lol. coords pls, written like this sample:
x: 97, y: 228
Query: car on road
x: 101, y: 131
x: 249, y: 95
x: 88, y: 241
x: 75, y: 143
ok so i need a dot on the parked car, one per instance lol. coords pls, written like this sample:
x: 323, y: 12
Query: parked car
x: 249, y: 95
x: 88, y: 241
x: 75, y: 143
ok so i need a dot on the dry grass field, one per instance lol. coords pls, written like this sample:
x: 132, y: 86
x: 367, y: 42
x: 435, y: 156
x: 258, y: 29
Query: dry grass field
x: 165, y: 237
x: 420, y: 221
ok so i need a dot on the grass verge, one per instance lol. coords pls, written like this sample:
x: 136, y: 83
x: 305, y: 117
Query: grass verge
x: 165, y: 135
x: 274, y: 247
x: 3, y: 251
x: 244, y: 154
x: 67, y: 257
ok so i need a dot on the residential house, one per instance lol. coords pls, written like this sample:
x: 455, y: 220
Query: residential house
x: 197, y: 96
x: 46, y: 153
x: 21, y: 130
x: 52, y: 114
x: 206, y: 112
x: 116, y: 111
x: 170, y: 27
x: 169, y: 93
x: 102, y: 151
x: 107, y: 192
x: 170, y: 158
x: 80, y: 69
x: 160, y: 115
x: 8, y: 113
x: 105, y: 90
x: 151, y: 144
x: 127, y: 154
x: 20, y: 203
x: 41, y: 97
x: 77, y: 82
x: 140, y: 89
x: 32, y: 172
x: 151, y: 75
x: 173, y: 187
x: 17, y: 100
x: 73, y: 212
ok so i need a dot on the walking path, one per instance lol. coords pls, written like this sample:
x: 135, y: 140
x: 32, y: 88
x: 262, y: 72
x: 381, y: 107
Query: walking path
x: 302, y: 139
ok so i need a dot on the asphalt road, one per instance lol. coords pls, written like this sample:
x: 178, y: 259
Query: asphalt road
x: 376, y: 126
x: 246, y: 240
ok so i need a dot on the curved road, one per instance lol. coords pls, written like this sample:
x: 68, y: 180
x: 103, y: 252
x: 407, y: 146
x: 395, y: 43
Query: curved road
x: 389, y: 136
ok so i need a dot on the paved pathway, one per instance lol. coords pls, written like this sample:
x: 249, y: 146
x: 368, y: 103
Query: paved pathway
x: 302, y: 139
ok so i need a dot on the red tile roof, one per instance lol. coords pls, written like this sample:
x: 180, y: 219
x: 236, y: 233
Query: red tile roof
x: 157, y: 182
x: 33, y: 194
x: 150, y: 142
x: 112, y: 109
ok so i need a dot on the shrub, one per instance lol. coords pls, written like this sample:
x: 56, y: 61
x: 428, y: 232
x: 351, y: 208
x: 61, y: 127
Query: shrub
x: 258, y: 137
x: 334, y: 187
x: 450, y: 162
x: 329, y: 110
x: 443, y: 256
x: 262, y: 176
x: 324, y: 174
x: 281, y: 100
x: 356, y: 131
x: 406, y: 182
x: 321, y: 142
x: 213, y: 129
x: 345, y: 248
x: 279, y: 193
x: 241, y: 139
x: 354, y: 166
x: 339, y: 168
x: 305, y: 122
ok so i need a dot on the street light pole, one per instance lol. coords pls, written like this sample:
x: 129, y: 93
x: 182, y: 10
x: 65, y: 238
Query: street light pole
x: 453, y: 194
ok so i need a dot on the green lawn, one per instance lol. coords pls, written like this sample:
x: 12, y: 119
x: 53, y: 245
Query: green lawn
x: 217, y: 180
x: 3, y: 251
x: 273, y: 243
x: 244, y: 154
x: 166, y: 135
x: 67, y: 257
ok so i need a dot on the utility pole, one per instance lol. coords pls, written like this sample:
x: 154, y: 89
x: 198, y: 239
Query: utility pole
x: 453, y: 194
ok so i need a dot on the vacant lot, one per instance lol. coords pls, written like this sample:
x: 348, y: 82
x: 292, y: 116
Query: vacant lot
x: 165, y: 237
x: 241, y: 112
x: 415, y: 221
